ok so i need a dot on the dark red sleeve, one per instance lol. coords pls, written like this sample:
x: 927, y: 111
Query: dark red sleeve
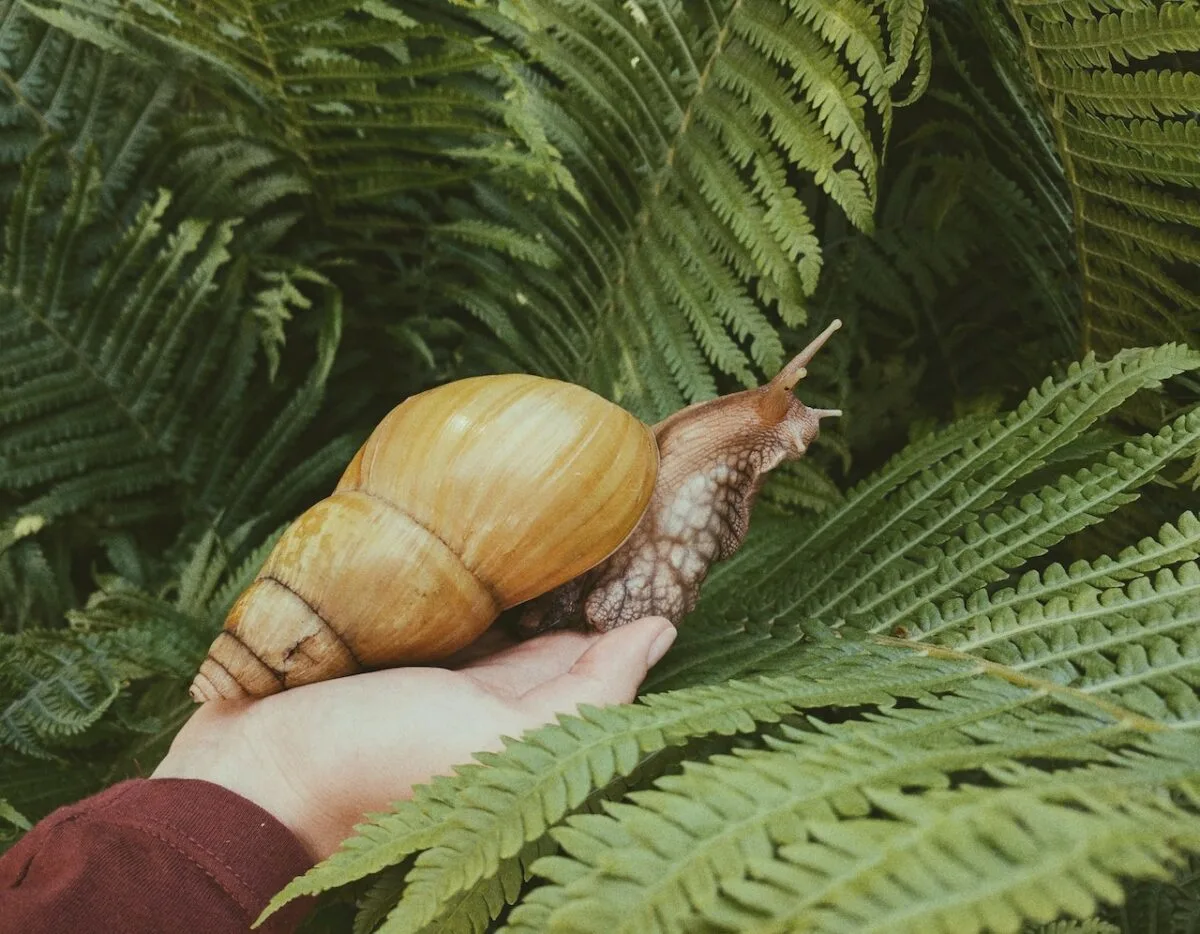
x: 152, y: 855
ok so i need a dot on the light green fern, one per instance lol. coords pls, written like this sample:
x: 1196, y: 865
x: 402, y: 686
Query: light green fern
x: 797, y: 830
x: 551, y: 772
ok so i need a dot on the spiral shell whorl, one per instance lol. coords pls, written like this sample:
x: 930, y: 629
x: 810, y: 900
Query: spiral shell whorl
x: 465, y: 500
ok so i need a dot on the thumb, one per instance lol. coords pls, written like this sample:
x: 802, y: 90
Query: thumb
x: 610, y: 671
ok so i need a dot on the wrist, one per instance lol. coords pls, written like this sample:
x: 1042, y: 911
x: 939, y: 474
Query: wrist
x: 222, y: 745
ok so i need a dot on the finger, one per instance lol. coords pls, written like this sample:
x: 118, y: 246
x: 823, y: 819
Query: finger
x: 609, y: 672
x: 517, y: 670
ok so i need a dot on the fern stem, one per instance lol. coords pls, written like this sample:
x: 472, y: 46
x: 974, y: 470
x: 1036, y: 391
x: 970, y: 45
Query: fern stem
x: 23, y: 101
x: 1072, y: 696
x: 1056, y: 108
x: 269, y: 62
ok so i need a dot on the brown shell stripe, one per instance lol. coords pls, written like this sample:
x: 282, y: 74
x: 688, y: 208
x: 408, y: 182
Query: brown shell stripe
x: 486, y: 586
x: 338, y: 637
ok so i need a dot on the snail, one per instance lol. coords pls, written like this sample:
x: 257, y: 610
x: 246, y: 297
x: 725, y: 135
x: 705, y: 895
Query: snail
x: 494, y: 492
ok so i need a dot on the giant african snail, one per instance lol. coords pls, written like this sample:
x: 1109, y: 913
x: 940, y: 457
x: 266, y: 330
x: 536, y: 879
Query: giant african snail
x: 495, y: 491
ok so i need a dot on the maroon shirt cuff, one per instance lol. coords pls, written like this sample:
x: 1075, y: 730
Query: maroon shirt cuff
x: 152, y: 855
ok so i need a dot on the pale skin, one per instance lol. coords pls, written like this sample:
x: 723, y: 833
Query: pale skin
x: 320, y: 757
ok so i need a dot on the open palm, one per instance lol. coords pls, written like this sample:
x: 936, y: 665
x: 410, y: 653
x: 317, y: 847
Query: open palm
x: 321, y: 756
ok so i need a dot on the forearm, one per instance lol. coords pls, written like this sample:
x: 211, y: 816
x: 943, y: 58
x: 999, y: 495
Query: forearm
x: 152, y: 856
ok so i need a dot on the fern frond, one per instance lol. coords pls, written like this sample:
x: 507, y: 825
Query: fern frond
x: 106, y: 395
x: 819, y: 569
x: 519, y: 793
x: 90, y: 425
x: 906, y: 24
x: 1012, y: 178
x: 34, y: 580
x: 1113, y: 105
x: 53, y: 87
x: 12, y: 815
x: 337, y: 85
x: 1137, y: 642
x: 52, y: 687
x: 55, y: 684
x: 1175, y: 544
x: 698, y: 138
x: 775, y: 835
x: 1117, y: 835
x: 929, y: 509
x: 533, y: 914
x: 473, y: 909
x: 1002, y: 541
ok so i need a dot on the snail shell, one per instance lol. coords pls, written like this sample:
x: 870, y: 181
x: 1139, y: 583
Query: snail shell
x: 466, y: 500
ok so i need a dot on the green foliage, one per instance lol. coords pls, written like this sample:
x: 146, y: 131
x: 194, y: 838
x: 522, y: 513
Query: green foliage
x: 344, y: 88
x: 125, y: 361
x: 699, y: 136
x: 1170, y: 905
x: 96, y: 393
x: 56, y: 87
x: 1119, y: 90
x: 952, y: 680
x: 55, y: 684
x: 13, y: 816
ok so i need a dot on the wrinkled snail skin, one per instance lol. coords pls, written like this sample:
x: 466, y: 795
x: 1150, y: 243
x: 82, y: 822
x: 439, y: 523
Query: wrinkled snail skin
x: 713, y: 460
x: 466, y: 500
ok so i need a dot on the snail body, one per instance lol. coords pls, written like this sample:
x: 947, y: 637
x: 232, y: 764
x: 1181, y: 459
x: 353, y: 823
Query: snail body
x: 714, y: 457
x: 495, y: 491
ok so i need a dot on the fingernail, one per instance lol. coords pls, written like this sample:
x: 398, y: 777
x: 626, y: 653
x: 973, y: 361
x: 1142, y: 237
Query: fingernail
x: 658, y: 648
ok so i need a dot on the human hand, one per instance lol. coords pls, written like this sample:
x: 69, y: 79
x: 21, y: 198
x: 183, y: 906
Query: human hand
x: 321, y: 756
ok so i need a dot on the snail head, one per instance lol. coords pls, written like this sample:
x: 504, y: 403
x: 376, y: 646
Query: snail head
x: 777, y: 405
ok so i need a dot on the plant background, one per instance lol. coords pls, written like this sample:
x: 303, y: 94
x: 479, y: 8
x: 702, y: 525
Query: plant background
x: 238, y: 233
